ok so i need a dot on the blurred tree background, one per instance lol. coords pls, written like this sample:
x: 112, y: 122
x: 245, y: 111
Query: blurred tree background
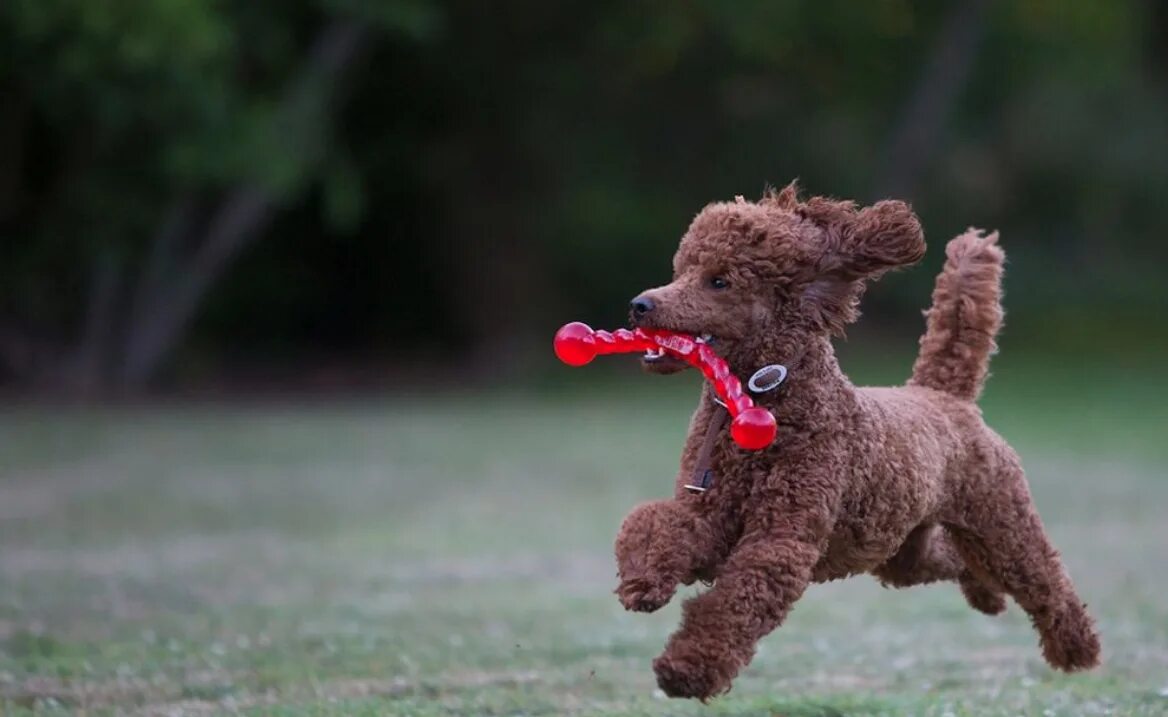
x: 189, y: 188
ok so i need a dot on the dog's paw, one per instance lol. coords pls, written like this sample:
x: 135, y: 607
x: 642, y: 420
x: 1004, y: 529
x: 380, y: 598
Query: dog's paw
x: 1072, y: 651
x: 1069, y: 641
x: 692, y: 676
x: 643, y: 595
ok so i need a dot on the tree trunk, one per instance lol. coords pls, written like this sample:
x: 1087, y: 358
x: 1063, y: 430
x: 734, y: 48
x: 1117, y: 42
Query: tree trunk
x: 86, y: 371
x: 919, y: 129
x: 172, y: 288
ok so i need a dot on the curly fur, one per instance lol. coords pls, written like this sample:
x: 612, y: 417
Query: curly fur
x: 907, y: 484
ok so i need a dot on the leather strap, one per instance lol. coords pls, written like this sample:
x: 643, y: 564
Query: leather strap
x: 703, y: 475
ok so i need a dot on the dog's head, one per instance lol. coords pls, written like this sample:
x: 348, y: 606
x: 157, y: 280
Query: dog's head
x: 745, y: 271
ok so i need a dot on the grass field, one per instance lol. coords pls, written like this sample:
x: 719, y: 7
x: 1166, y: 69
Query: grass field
x: 452, y: 557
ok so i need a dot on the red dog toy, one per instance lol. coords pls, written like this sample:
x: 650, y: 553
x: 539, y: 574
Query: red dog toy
x: 753, y: 427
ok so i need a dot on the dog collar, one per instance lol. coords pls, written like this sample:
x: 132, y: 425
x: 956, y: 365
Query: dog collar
x: 766, y: 379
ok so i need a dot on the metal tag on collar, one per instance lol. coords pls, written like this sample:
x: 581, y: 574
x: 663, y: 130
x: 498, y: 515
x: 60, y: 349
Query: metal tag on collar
x: 767, y: 378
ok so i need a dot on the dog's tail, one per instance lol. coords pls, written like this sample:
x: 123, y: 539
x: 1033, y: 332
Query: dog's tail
x: 964, y: 319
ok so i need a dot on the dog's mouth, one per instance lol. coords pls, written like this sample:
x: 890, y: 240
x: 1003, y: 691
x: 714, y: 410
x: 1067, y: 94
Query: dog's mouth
x: 661, y: 361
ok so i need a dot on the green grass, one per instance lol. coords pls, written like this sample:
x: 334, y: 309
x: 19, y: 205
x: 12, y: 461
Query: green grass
x: 452, y: 557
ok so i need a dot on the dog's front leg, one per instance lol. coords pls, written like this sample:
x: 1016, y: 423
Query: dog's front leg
x: 755, y: 590
x: 661, y: 544
x: 789, y: 518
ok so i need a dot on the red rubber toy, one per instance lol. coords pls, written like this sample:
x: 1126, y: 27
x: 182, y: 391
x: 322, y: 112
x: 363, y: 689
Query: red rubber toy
x: 753, y: 427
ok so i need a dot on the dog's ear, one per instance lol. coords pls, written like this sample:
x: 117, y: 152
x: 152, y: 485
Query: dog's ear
x: 856, y: 245
x: 883, y: 236
x: 786, y: 198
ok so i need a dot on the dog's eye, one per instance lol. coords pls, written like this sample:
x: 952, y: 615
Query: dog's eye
x: 718, y: 282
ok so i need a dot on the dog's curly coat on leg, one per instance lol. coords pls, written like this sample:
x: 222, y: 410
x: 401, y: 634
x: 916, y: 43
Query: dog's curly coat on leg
x: 905, y: 483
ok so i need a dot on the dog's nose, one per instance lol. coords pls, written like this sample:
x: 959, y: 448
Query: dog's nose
x: 641, y: 306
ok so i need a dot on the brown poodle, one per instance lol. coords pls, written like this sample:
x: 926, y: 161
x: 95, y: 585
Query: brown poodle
x: 905, y: 483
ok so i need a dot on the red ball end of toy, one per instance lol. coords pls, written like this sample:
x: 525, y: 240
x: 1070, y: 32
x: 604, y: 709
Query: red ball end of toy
x: 574, y: 344
x: 754, y: 429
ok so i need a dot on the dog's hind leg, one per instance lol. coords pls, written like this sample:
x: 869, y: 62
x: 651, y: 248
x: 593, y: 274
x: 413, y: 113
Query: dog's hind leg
x: 1004, y: 539
x: 927, y: 556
